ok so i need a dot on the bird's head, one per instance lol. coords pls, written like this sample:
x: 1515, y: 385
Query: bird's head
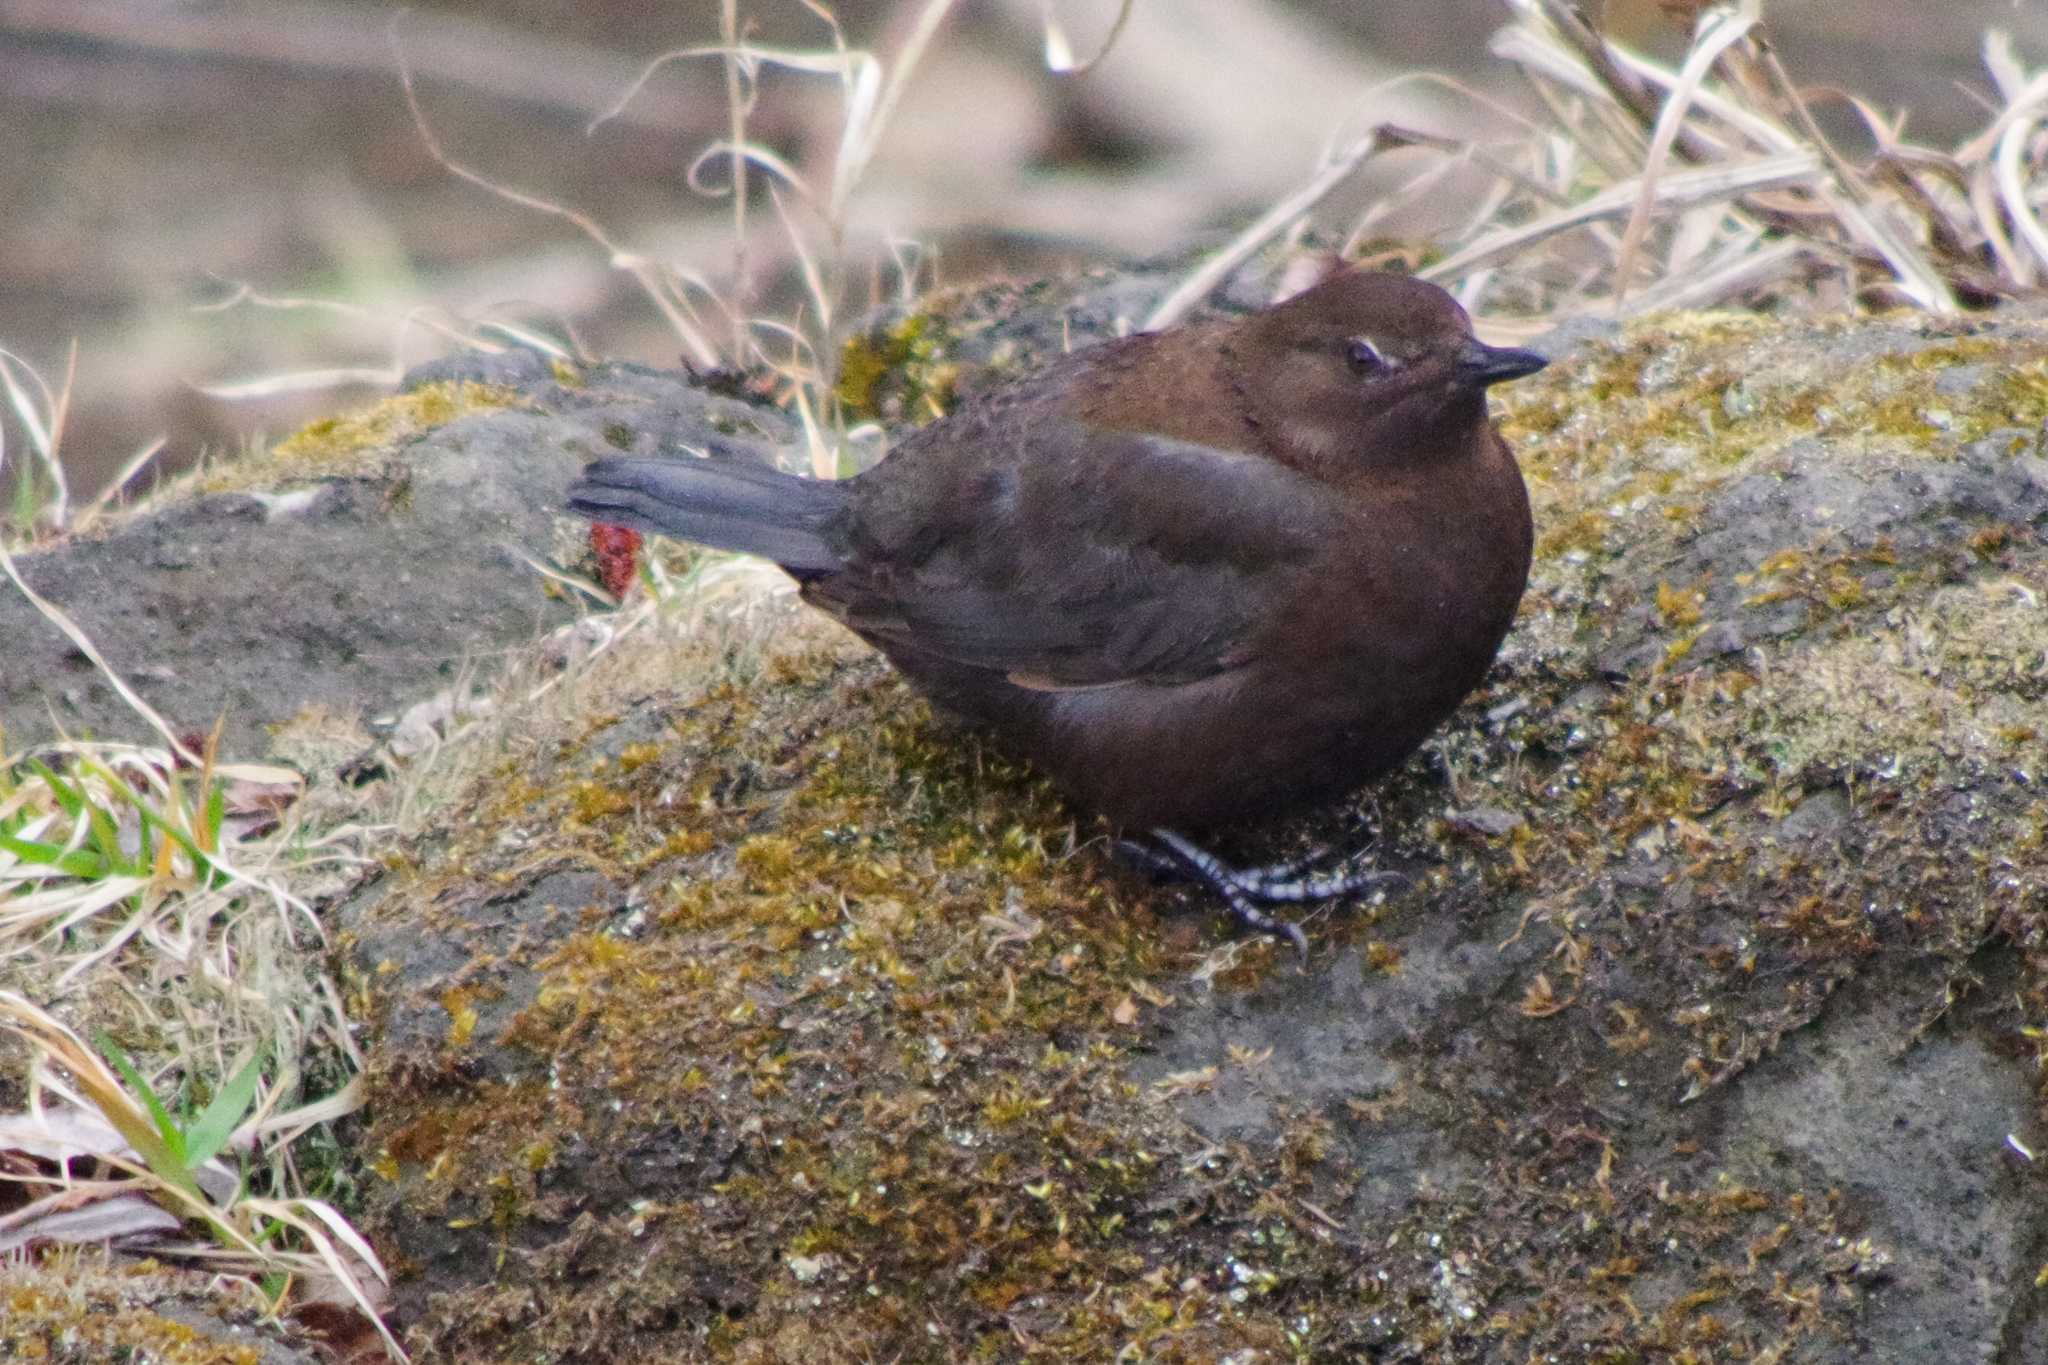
x: 1369, y: 365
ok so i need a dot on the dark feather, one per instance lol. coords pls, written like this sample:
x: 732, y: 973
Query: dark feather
x: 1170, y: 557
x: 728, y: 503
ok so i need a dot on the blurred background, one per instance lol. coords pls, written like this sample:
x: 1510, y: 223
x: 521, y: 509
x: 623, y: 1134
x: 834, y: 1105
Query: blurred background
x: 204, y: 194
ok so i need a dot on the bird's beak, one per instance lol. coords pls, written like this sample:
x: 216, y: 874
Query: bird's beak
x: 1480, y: 364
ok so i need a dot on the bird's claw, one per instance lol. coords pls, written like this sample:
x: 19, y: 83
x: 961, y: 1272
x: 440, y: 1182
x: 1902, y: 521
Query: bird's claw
x: 1243, y: 889
x: 1149, y: 861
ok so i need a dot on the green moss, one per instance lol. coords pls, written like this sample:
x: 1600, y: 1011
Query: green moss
x: 593, y: 801
x: 338, y: 441
x: 867, y: 1053
x: 77, y: 1308
x: 898, y: 372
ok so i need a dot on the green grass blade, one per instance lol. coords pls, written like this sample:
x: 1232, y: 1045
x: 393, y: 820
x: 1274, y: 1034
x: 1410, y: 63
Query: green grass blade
x: 68, y: 797
x: 202, y: 865
x: 106, y: 839
x: 166, y: 1126
x: 76, y: 862
x: 216, y: 1123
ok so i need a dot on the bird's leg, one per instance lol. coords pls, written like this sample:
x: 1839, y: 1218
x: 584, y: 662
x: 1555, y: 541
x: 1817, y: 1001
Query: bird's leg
x: 1165, y: 867
x: 1281, y: 883
x: 1205, y: 867
x: 1155, y: 863
x: 1239, y: 887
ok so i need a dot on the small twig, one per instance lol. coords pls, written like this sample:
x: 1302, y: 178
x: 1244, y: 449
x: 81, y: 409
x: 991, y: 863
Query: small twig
x: 1626, y: 88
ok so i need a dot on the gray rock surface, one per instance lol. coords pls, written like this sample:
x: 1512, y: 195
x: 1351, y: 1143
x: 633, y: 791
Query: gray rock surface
x: 744, y: 1011
x: 358, y: 577
x: 1702, y: 1029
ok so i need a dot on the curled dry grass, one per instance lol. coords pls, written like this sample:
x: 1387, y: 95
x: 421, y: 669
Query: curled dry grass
x: 1712, y: 184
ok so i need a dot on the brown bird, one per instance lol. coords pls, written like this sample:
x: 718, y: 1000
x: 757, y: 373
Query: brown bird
x: 1202, y: 576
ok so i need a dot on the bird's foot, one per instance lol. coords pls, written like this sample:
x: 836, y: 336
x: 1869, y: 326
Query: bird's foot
x: 1243, y: 889
x: 1162, y: 866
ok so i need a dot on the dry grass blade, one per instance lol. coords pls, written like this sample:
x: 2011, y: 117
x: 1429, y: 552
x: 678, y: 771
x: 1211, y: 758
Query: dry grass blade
x: 1059, y: 52
x: 1723, y: 29
x: 41, y: 413
x: 115, y: 848
x: 322, y: 378
x: 677, y: 314
x: 1271, y: 223
x: 1761, y: 207
x: 127, y: 890
x: 1718, y: 178
x: 304, y: 381
x: 2001, y: 153
x: 1570, y: 28
x: 27, y: 407
x: 868, y: 113
x: 56, y: 1045
x: 1742, y: 266
x: 130, y: 467
x: 340, y: 1250
x: 1917, y: 276
x: 740, y: 95
x: 814, y: 280
x: 1857, y: 221
x: 1711, y: 184
x: 103, y: 1120
x: 2013, y: 197
x: 870, y: 91
x: 72, y: 631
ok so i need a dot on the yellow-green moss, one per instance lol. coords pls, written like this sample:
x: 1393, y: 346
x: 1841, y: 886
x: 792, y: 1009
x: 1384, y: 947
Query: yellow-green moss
x: 899, y: 371
x: 338, y: 441
x: 914, y: 1011
x: 880, y: 1010
x: 78, y: 1308
x: 1650, y: 423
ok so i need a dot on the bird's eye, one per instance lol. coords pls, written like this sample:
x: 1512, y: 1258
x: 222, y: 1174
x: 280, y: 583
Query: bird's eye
x: 1365, y: 357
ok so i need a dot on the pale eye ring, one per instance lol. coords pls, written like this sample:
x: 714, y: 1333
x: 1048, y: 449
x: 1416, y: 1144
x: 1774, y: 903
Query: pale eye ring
x: 1365, y: 357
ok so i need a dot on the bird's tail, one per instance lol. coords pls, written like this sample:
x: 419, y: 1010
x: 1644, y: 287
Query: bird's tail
x: 729, y: 503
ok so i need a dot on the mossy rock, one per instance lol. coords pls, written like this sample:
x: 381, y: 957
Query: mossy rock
x: 765, y: 1017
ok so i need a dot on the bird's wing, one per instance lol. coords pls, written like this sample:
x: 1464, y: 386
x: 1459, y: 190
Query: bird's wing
x: 1142, y: 560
